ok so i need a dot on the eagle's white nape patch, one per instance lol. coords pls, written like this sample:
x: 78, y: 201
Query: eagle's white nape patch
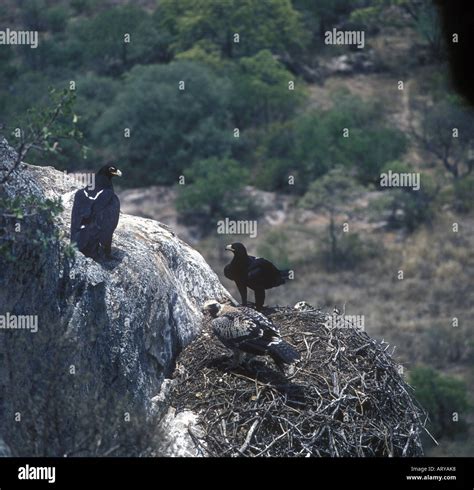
x: 93, y: 198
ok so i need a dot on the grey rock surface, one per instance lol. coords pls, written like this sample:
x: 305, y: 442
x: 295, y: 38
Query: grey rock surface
x: 4, y: 449
x: 140, y: 308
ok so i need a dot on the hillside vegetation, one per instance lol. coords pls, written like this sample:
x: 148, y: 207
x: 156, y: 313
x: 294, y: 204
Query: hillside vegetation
x: 238, y: 109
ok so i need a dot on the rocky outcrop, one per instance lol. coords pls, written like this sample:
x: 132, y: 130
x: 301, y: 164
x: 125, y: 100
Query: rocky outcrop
x: 125, y: 319
x: 350, y: 63
x: 4, y: 450
x: 98, y: 377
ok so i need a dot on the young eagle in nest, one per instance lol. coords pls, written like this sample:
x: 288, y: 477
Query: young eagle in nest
x: 245, y: 330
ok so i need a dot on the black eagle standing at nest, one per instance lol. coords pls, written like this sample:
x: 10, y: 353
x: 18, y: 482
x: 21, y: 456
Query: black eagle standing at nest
x: 244, y: 330
x: 95, y: 214
x: 253, y: 272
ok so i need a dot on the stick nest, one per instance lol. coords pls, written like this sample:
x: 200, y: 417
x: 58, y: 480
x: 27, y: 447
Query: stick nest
x: 346, y: 397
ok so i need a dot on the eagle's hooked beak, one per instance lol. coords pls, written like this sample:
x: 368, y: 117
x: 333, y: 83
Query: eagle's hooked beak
x: 117, y: 173
x: 229, y: 247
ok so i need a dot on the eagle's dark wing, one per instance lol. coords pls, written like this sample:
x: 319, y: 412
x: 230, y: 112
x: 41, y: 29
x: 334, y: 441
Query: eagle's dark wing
x: 94, y: 218
x: 240, y: 331
x: 249, y: 331
x: 107, y: 216
x: 229, y: 272
x: 81, y: 212
x: 260, y: 319
x: 262, y: 274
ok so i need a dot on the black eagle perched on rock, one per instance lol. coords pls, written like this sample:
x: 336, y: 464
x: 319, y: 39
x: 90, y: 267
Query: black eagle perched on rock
x: 95, y: 214
x: 253, y: 272
x: 244, y: 330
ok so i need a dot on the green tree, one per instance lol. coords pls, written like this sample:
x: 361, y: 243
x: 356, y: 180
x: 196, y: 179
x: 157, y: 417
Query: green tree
x: 274, y: 159
x: 276, y: 247
x: 446, y: 134
x: 33, y: 15
x: 313, y: 143
x: 369, y: 144
x: 425, y: 19
x: 206, y: 52
x: 321, y: 15
x: 116, y: 39
x: 272, y: 24
x: 44, y: 128
x: 57, y: 18
x: 262, y: 92
x: 464, y: 194
x: 422, y: 16
x: 214, y: 192
x: 407, y: 207
x: 83, y: 6
x: 170, y: 128
x: 441, y: 396
x: 329, y: 193
x: 94, y: 95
